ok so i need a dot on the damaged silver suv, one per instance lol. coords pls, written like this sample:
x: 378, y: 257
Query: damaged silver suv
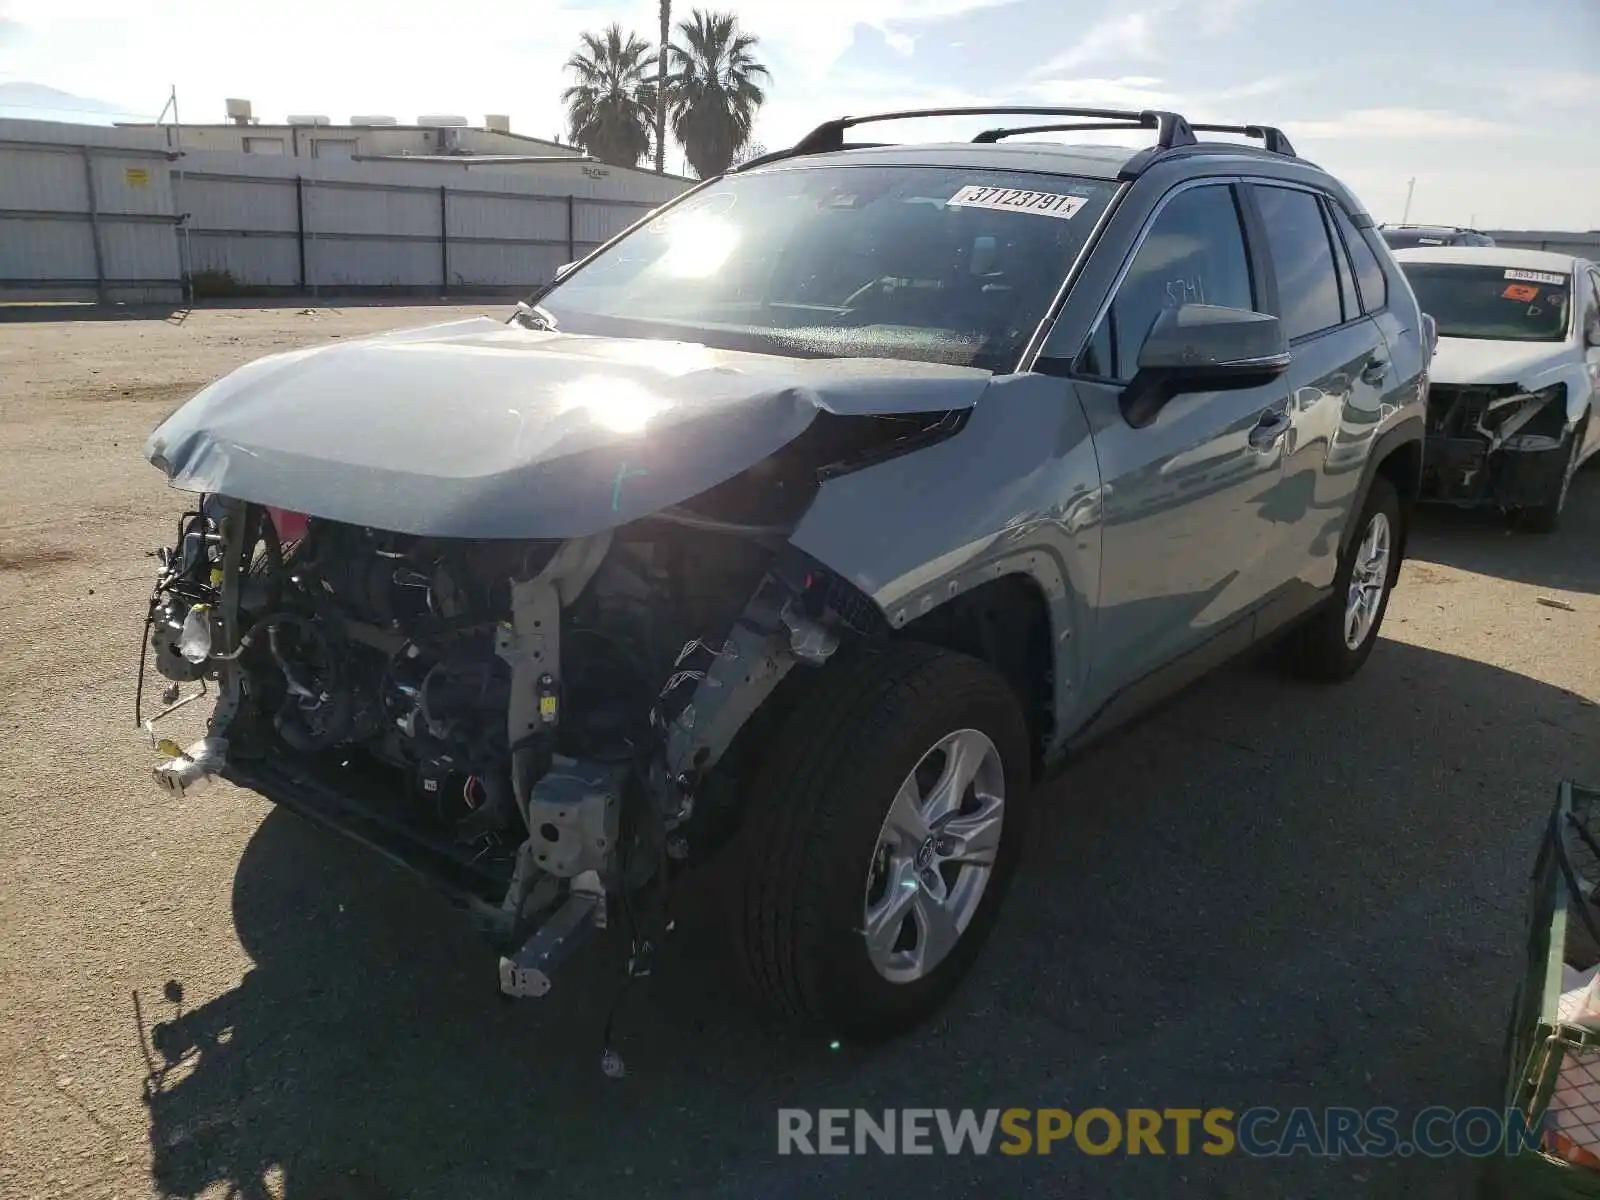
x: 811, y: 521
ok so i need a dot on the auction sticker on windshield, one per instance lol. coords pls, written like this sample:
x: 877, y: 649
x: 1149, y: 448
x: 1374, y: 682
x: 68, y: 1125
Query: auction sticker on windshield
x: 1536, y: 277
x: 1045, y: 204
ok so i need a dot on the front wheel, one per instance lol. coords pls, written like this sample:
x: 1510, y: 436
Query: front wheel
x: 884, y: 827
x: 1546, y: 517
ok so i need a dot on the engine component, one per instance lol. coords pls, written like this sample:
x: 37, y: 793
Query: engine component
x: 194, y: 768
x: 167, y: 621
x: 573, y: 816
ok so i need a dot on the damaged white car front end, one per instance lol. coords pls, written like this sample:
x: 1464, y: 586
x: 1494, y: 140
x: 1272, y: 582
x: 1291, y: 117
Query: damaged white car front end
x: 1513, y: 378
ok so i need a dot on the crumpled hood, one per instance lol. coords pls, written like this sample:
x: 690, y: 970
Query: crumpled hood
x: 479, y: 429
x: 1472, y: 360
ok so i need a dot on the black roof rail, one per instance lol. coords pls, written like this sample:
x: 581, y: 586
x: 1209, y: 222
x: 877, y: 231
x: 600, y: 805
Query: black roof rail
x: 1273, y: 138
x: 1172, y: 130
x: 989, y: 136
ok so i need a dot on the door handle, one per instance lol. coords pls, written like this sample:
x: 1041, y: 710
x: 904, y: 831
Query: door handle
x: 1377, y: 367
x: 1274, y: 423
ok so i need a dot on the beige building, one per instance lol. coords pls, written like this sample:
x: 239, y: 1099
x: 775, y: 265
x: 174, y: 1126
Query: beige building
x: 440, y: 138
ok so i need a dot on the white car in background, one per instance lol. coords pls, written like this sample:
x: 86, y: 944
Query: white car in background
x: 1514, y: 377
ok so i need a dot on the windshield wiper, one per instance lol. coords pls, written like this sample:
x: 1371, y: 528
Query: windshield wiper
x: 532, y: 318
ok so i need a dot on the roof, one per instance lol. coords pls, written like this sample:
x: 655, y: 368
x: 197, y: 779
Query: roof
x: 1490, y: 256
x: 481, y: 160
x: 256, y: 129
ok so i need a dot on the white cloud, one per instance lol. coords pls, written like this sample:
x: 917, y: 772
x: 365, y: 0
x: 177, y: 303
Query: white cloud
x: 1395, y: 123
x: 1118, y: 37
x: 1222, y: 16
x: 1127, y: 91
x: 1551, y: 87
x: 408, y: 57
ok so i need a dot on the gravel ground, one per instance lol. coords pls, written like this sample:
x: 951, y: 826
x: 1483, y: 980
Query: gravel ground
x: 1265, y: 894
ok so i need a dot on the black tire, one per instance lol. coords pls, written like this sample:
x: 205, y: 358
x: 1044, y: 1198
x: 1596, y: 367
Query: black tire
x: 1546, y: 517
x: 817, y: 807
x: 1319, y: 651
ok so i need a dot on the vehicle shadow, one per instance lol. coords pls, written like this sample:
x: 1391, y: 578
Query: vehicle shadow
x: 1487, y: 543
x: 1269, y: 893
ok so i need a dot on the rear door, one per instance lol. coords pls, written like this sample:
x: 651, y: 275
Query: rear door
x: 1336, y: 383
x: 1184, y: 546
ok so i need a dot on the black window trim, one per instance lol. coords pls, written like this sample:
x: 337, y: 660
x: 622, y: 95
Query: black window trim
x: 1335, y: 247
x: 1070, y: 367
x: 1343, y: 262
x: 1368, y: 309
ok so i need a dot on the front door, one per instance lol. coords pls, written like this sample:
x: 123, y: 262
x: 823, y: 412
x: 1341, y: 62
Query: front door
x: 1186, y: 553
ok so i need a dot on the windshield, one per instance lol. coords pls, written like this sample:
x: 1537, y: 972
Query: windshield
x: 937, y: 264
x: 1494, y: 303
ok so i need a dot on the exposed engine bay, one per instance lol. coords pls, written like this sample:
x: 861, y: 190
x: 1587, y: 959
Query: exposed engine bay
x: 1502, y: 443
x: 539, y: 722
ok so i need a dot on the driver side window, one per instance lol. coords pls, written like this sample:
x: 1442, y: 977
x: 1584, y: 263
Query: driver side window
x: 1194, y: 253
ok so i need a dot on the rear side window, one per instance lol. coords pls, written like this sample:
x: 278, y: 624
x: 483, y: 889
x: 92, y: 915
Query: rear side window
x: 1308, y: 284
x: 1193, y: 254
x: 1373, y: 282
x: 1350, y: 301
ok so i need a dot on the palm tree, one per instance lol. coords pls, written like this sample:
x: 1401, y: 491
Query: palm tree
x: 713, y: 90
x: 661, y: 86
x: 611, y: 106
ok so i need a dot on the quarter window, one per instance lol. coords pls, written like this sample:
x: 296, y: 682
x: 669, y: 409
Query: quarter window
x: 1194, y: 253
x: 1350, y: 302
x: 1373, y: 282
x: 1308, y: 284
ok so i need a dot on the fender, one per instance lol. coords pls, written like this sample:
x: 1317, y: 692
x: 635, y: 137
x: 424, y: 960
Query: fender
x: 1402, y: 433
x: 1016, y: 491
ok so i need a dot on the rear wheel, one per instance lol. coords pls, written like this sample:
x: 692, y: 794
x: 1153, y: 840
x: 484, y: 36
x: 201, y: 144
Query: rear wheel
x: 1336, y: 640
x: 884, y: 827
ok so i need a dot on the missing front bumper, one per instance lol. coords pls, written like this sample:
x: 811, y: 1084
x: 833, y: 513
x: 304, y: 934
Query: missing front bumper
x: 1521, y: 474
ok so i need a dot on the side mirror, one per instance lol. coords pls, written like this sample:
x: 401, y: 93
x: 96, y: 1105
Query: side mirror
x: 563, y: 269
x: 1203, y: 348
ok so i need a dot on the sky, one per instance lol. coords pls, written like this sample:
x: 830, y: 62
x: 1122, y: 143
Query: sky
x: 1493, y: 110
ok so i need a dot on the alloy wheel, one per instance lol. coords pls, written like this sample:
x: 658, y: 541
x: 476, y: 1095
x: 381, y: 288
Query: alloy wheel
x: 934, y: 856
x: 1369, y: 579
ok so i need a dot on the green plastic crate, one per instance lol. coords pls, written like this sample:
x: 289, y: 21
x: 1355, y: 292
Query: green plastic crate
x: 1563, y: 927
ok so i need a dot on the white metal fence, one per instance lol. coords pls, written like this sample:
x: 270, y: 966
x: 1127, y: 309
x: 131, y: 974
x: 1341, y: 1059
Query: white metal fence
x: 84, y: 219
x: 88, y: 218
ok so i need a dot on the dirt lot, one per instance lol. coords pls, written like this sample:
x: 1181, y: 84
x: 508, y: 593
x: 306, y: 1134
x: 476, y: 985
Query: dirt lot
x: 1267, y: 894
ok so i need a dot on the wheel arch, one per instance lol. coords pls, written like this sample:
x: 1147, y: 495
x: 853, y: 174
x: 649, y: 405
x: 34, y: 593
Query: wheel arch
x: 1007, y: 622
x: 1397, y: 456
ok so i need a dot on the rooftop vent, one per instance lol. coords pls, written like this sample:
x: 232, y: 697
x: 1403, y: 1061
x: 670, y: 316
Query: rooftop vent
x: 376, y: 119
x: 302, y: 119
x: 238, y: 111
x: 499, y: 122
x: 441, y: 121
